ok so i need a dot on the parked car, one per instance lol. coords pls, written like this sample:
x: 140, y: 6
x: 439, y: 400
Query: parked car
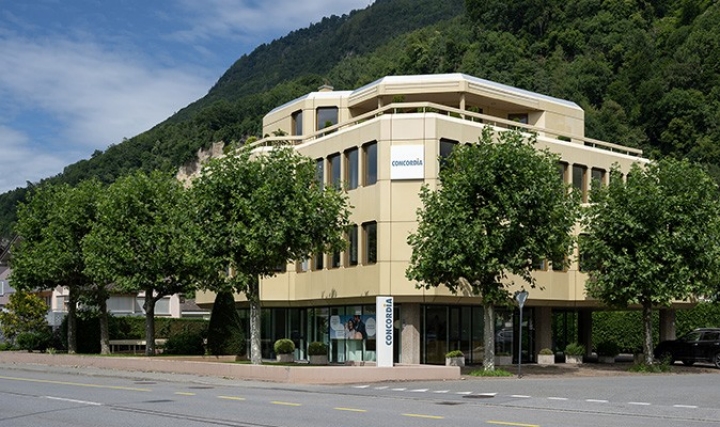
x: 700, y: 345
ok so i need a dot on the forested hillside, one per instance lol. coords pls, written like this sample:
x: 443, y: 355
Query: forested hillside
x: 647, y: 73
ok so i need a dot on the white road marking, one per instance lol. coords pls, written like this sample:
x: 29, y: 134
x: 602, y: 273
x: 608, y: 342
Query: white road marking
x: 82, y: 402
x: 419, y: 390
x: 521, y: 396
x: 361, y: 386
x: 399, y: 389
x: 381, y: 388
x: 441, y: 391
x: 596, y: 401
x: 464, y: 392
x: 557, y: 398
x: 639, y: 403
x: 685, y: 406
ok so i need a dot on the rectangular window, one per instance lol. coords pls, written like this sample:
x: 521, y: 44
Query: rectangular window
x: 540, y: 264
x: 326, y: 117
x: 335, y: 260
x: 318, y: 261
x: 297, y: 125
x: 352, y: 252
x: 320, y: 172
x: 579, y: 180
x: 519, y: 118
x: 303, y: 266
x: 352, y: 174
x: 445, y: 149
x: 334, y: 166
x: 559, y: 264
x: 562, y: 171
x: 597, y: 177
x: 370, y: 242
x: 370, y: 163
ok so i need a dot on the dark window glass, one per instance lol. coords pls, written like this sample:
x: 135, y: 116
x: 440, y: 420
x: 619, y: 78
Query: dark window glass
x: 562, y: 170
x: 320, y: 172
x: 297, y: 122
x: 335, y: 260
x: 539, y: 264
x: 597, y: 176
x: 445, y: 149
x: 351, y: 168
x: 370, y: 237
x: 370, y: 157
x: 519, y: 117
x: 334, y: 161
x: 353, y: 245
x: 326, y: 117
x: 578, y: 180
x: 318, y: 262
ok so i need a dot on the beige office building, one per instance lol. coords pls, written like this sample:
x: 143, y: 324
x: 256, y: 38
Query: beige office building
x: 381, y: 143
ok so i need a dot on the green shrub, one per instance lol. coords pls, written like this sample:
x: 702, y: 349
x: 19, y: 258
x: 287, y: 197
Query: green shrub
x: 454, y: 353
x: 6, y: 346
x: 494, y: 373
x: 546, y: 352
x: 185, y: 343
x: 225, y: 336
x: 607, y: 348
x: 574, y: 349
x: 284, y: 346
x: 655, y: 368
x: 317, y: 348
x: 34, y: 340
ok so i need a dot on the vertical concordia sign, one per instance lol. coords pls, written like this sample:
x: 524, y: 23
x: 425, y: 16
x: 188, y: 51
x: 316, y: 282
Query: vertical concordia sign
x: 385, y: 339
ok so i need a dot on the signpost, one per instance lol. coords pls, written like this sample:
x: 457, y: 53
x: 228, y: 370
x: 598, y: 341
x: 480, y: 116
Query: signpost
x: 521, y: 297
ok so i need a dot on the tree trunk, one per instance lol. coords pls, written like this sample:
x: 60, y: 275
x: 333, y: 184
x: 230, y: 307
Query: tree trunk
x: 72, y: 321
x: 253, y: 295
x: 104, y: 330
x: 149, y: 307
x: 647, y: 329
x: 489, y: 317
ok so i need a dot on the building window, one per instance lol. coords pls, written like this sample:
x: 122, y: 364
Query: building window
x: 559, y: 264
x: 352, y: 252
x: 579, y: 180
x: 334, y: 163
x: 318, y: 261
x: 370, y: 163
x: 297, y: 125
x: 518, y: 118
x: 320, y: 172
x: 303, y: 266
x: 539, y: 264
x: 445, y: 149
x: 597, y: 177
x: 335, y: 260
x: 352, y: 174
x: 562, y: 171
x: 326, y: 117
x: 370, y: 242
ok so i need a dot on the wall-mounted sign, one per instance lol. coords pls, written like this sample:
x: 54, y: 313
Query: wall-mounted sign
x: 407, y: 162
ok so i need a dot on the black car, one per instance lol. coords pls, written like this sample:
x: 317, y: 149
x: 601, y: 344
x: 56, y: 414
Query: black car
x: 700, y: 345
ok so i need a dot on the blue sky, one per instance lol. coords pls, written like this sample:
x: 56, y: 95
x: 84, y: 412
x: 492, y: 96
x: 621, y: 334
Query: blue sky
x: 79, y: 75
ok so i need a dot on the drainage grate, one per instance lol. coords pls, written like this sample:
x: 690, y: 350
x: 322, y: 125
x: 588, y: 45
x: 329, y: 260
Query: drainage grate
x: 479, y: 396
x: 449, y: 403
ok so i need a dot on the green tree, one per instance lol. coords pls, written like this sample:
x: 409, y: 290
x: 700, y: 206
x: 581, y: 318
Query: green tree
x: 652, y: 239
x: 144, y: 241
x: 258, y: 212
x: 25, y: 315
x: 499, y: 206
x: 225, y: 335
x: 51, y: 226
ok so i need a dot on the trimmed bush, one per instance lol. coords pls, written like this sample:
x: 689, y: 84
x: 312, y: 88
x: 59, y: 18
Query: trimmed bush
x: 317, y: 348
x: 575, y: 349
x: 608, y: 348
x: 225, y: 336
x: 185, y: 343
x: 546, y: 352
x: 454, y: 353
x: 284, y: 346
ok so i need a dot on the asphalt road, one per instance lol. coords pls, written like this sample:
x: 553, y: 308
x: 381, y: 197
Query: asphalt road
x: 43, y: 396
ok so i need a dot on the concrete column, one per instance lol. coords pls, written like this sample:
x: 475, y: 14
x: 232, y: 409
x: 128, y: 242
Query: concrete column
x: 543, y: 328
x: 410, y: 333
x: 667, y: 324
x: 585, y: 329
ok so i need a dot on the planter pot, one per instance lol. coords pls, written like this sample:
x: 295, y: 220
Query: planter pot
x: 573, y: 359
x: 319, y: 360
x: 455, y: 361
x: 546, y: 359
x: 606, y: 359
x: 285, y: 358
x: 503, y: 360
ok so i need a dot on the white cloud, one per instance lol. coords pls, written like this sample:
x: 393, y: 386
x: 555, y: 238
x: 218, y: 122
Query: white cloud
x: 246, y: 19
x: 19, y: 163
x: 98, y: 95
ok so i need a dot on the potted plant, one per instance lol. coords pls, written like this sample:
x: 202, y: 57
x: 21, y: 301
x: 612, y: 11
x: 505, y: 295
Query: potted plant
x: 546, y: 357
x: 503, y: 358
x: 574, y: 353
x: 318, y: 353
x: 455, y: 358
x: 607, y: 350
x: 284, y: 349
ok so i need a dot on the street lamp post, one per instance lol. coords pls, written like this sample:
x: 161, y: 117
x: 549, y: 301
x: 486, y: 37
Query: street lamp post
x: 520, y: 296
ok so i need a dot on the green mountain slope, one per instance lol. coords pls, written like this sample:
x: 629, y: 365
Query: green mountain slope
x: 646, y: 72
